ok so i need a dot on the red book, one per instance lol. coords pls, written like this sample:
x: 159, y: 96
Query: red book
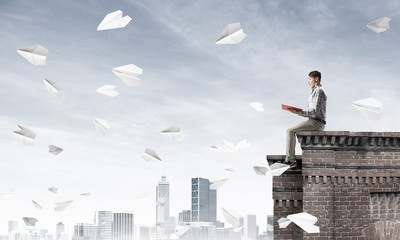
x: 286, y: 107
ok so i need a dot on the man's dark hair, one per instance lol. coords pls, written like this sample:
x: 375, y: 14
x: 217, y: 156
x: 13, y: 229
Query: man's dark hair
x: 315, y: 74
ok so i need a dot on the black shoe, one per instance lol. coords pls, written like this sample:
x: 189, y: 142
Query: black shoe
x: 291, y: 164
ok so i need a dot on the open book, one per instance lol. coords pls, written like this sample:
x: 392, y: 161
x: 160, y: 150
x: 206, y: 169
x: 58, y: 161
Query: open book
x: 286, y: 107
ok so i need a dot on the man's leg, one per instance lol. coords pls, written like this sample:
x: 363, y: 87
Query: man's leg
x: 291, y: 138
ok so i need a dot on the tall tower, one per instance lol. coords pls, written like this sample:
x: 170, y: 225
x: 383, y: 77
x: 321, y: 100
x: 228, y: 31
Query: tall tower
x: 104, y: 221
x: 204, y: 201
x: 12, y: 226
x: 59, y: 229
x: 162, y: 205
x: 85, y: 231
x: 123, y: 226
x: 250, y: 227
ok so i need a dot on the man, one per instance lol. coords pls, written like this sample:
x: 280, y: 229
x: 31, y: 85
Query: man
x: 316, y: 114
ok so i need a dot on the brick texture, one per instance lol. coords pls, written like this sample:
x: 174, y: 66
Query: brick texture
x: 349, y: 181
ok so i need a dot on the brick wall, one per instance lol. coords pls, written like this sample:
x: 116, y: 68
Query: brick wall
x: 349, y: 181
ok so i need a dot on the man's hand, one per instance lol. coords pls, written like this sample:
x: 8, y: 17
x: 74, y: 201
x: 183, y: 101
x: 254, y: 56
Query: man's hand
x: 294, y: 111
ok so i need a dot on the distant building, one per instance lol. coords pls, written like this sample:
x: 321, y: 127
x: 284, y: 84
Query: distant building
x: 162, y: 206
x: 42, y: 233
x: 60, y: 227
x: 228, y: 234
x: 185, y: 216
x: 3, y: 237
x: 200, y: 231
x: 204, y: 201
x: 270, y: 227
x: 104, y: 225
x: 85, y: 231
x: 142, y: 232
x: 250, y: 227
x: 123, y: 226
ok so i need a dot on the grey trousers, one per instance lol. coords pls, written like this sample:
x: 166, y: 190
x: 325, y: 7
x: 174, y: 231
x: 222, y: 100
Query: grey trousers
x: 309, y: 125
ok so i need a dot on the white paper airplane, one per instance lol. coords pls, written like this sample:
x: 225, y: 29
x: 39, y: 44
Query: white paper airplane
x: 129, y: 74
x: 25, y: 135
x: 53, y: 189
x: 379, y: 25
x: 230, y: 170
x: 303, y: 220
x: 108, y: 90
x: 62, y: 205
x: 35, y: 54
x: 114, y: 20
x: 172, y: 132
x: 257, y: 106
x: 231, y: 217
x: 86, y: 194
x: 54, y: 149
x: 150, y: 155
x: 368, y: 108
x: 214, y: 185
x: 101, y: 125
x: 180, y: 230
x: 30, y: 221
x: 226, y: 146
x: 9, y: 193
x: 38, y: 204
x: 232, y: 34
x: 52, y: 87
x: 275, y: 169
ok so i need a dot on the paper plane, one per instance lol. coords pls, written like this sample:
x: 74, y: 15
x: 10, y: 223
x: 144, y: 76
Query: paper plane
x: 25, y: 135
x: 368, y: 108
x: 151, y: 156
x: 230, y: 169
x: 160, y: 224
x: 275, y: 169
x: 231, y: 217
x: 257, y: 106
x: 53, y: 189
x: 30, y: 221
x: 214, y: 185
x: 172, y: 132
x: 232, y: 34
x: 9, y: 193
x: 54, y: 149
x: 38, y: 204
x: 180, y: 230
x: 101, y: 125
x: 52, y: 87
x: 35, y: 54
x: 226, y: 146
x: 379, y: 25
x: 129, y: 74
x: 86, y: 194
x: 108, y: 90
x: 303, y: 220
x: 114, y: 20
x: 62, y: 205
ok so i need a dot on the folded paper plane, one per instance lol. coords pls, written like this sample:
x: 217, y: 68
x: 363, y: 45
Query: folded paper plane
x: 379, y: 25
x: 214, y: 185
x: 129, y: 74
x: 232, y: 34
x: 230, y: 170
x: 54, y: 149
x: 25, y: 135
x: 30, y: 221
x: 86, y: 194
x: 257, y: 106
x: 275, y: 169
x: 101, y: 125
x: 52, y: 87
x: 35, y: 54
x: 38, y: 204
x: 150, y: 155
x: 9, y: 193
x: 172, y: 132
x: 303, y: 220
x: 53, y: 189
x: 231, y: 217
x: 226, y: 146
x: 180, y: 230
x: 62, y: 205
x: 368, y: 108
x: 108, y: 90
x: 114, y: 20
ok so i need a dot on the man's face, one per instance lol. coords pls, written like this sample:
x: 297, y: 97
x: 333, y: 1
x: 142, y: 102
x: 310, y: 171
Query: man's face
x: 313, y: 82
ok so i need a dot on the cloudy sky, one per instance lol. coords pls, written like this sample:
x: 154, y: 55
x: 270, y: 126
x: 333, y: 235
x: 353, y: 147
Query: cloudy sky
x: 188, y: 81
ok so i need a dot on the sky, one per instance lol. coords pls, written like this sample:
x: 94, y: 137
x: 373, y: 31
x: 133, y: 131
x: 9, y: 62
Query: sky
x: 188, y: 81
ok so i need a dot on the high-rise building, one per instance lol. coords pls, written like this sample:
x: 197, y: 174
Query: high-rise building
x: 204, y: 201
x: 123, y: 226
x: 250, y: 227
x: 12, y: 226
x: 3, y: 237
x: 142, y: 232
x: 42, y: 233
x: 59, y: 229
x: 85, y: 231
x: 104, y: 225
x: 270, y: 226
x: 185, y: 216
x: 162, y: 206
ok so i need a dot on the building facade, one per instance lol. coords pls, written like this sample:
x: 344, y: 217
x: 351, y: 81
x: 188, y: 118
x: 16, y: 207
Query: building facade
x: 204, y: 201
x: 123, y: 226
x: 104, y: 225
x: 162, y: 206
x: 84, y: 231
